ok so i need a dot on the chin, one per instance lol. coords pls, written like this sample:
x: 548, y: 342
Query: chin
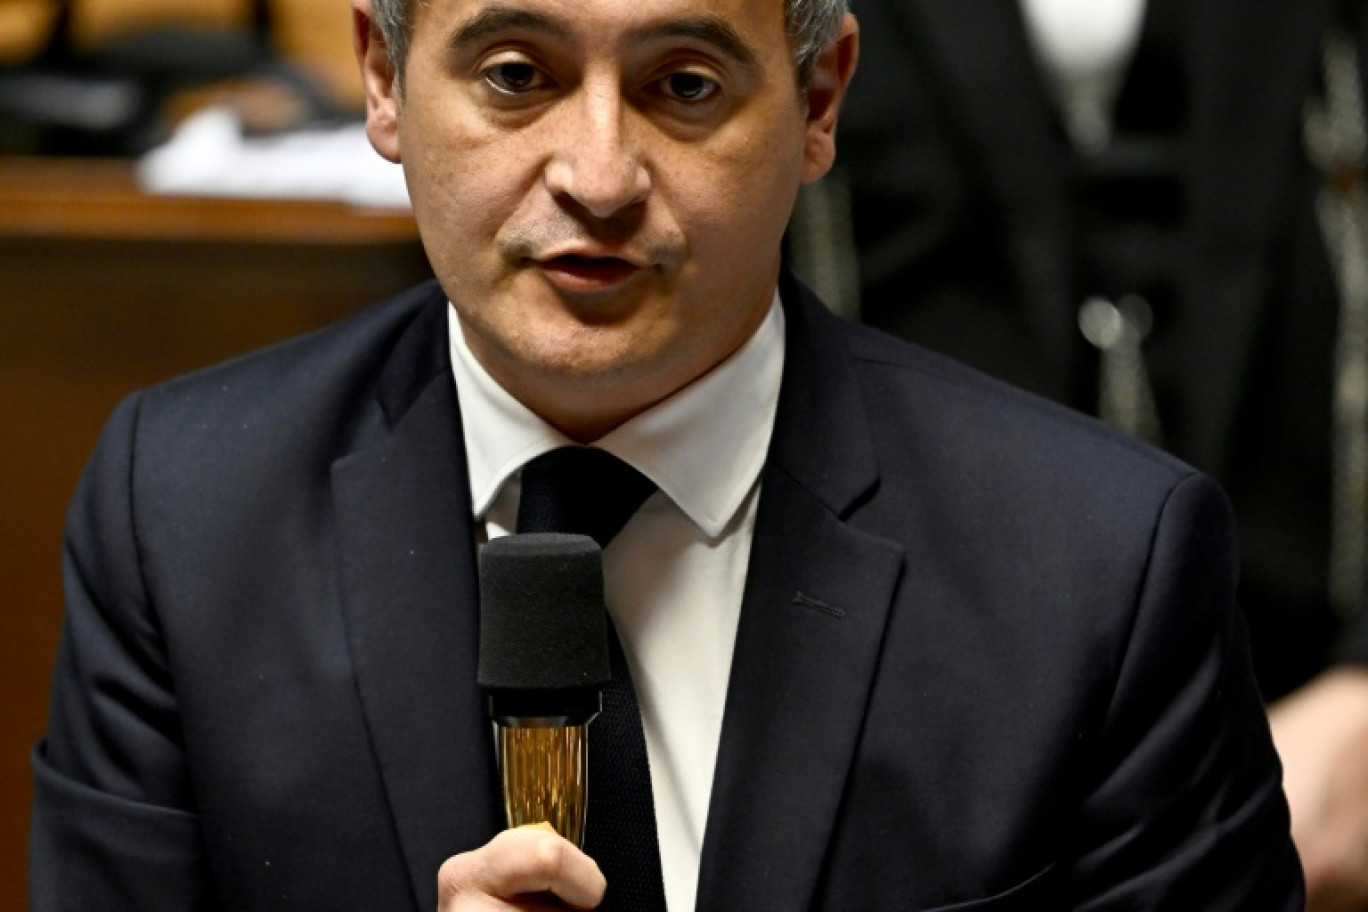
x: 593, y: 370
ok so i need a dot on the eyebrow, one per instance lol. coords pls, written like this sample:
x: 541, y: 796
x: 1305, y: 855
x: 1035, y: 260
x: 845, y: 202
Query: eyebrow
x: 494, y: 19
x: 710, y: 30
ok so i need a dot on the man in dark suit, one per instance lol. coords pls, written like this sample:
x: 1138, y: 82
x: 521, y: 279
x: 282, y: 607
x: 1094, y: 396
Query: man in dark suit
x: 985, y: 220
x: 901, y: 636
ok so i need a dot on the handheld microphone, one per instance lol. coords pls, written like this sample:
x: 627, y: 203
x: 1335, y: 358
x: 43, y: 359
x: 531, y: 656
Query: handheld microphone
x: 543, y: 662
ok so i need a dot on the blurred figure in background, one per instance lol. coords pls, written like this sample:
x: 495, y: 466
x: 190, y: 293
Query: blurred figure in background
x: 1153, y: 211
x: 114, y: 77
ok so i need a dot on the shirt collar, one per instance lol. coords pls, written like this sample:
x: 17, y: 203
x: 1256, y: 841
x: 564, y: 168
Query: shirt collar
x: 704, y: 446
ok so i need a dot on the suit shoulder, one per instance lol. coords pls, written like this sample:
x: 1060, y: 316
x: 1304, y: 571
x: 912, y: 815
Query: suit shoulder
x: 975, y: 409
x: 287, y: 410
x: 322, y: 371
x: 359, y: 337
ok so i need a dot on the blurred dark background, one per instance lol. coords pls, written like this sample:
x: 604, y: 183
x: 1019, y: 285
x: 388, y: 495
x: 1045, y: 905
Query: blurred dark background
x: 112, y: 77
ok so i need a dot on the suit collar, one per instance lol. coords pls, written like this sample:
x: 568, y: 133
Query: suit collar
x: 812, y: 620
x: 822, y: 436
x: 419, y: 355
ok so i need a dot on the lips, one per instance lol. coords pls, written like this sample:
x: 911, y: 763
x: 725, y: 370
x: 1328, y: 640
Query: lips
x: 587, y: 273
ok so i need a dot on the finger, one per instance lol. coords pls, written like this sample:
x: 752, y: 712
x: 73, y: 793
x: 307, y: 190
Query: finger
x: 523, y: 862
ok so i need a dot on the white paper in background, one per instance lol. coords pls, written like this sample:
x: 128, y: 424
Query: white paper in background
x: 1085, y: 47
x: 208, y: 155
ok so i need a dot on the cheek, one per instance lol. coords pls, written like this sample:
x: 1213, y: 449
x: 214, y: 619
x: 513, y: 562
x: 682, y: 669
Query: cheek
x: 736, y: 201
x: 752, y: 177
x: 447, y: 145
x: 463, y: 186
x: 446, y: 164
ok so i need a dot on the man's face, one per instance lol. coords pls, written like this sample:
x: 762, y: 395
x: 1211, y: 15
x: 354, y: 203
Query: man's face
x: 602, y: 185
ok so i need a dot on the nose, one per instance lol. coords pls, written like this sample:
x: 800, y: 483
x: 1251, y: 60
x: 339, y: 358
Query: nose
x: 597, y: 163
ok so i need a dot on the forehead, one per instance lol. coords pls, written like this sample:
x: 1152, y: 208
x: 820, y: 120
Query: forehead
x: 748, y: 30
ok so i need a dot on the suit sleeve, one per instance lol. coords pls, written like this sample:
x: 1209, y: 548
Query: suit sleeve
x: 1187, y: 811
x: 114, y: 825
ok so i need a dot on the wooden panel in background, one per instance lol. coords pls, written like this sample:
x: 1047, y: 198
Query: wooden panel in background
x: 94, y: 22
x: 24, y: 28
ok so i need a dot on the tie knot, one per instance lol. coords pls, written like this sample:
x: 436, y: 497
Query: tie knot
x: 580, y: 490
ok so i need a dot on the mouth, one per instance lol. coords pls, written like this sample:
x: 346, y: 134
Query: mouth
x: 579, y: 273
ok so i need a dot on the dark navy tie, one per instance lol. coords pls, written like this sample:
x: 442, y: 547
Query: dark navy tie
x: 591, y: 492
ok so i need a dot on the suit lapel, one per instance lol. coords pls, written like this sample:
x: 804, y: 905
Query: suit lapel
x: 407, y: 556
x: 812, y: 619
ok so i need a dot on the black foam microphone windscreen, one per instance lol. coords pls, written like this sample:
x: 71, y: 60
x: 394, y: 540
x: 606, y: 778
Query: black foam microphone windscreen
x: 543, y: 661
x: 543, y: 625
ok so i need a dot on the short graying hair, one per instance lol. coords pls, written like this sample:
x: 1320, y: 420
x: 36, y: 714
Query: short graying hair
x: 811, y: 25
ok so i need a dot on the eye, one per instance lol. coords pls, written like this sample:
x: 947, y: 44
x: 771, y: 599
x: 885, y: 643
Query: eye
x: 514, y: 78
x: 689, y: 87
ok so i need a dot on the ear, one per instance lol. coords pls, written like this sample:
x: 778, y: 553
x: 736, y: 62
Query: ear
x: 378, y: 80
x: 830, y: 77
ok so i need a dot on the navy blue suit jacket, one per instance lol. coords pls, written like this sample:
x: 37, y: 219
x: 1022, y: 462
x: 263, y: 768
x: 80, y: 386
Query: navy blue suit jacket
x: 987, y: 656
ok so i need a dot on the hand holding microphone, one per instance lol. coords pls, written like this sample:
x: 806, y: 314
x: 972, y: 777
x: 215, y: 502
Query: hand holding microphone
x: 543, y: 661
x: 527, y: 869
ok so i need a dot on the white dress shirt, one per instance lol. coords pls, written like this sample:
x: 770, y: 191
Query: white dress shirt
x: 674, y: 576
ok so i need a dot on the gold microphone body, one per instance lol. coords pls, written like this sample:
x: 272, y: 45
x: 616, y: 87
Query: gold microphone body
x: 545, y: 775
